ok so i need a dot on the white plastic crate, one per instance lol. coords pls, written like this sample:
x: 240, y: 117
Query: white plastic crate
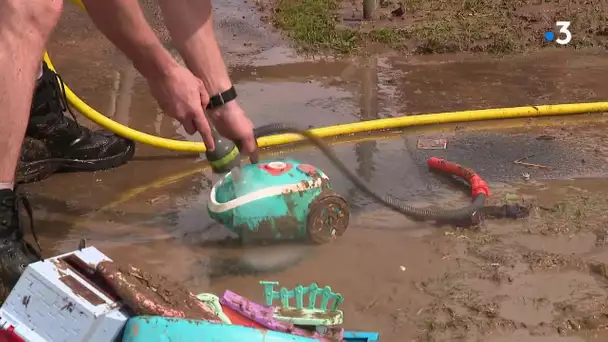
x: 56, y: 301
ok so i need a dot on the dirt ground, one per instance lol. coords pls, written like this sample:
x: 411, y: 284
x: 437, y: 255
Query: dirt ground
x: 543, y: 276
x: 440, y: 26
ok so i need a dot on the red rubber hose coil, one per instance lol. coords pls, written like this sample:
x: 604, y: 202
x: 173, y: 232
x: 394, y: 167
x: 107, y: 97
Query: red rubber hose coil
x: 478, y: 185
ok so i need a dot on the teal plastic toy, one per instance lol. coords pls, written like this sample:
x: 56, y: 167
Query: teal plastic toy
x: 166, y: 329
x: 316, y: 311
x: 277, y: 200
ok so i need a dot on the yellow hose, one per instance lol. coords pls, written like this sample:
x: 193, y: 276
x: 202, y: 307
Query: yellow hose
x: 337, y: 130
x: 78, y: 3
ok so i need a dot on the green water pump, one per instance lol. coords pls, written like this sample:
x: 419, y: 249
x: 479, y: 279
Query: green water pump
x: 279, y: 200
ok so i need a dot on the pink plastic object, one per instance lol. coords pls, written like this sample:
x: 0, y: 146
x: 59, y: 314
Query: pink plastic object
x: 264, y: 315
x: 276, y: 168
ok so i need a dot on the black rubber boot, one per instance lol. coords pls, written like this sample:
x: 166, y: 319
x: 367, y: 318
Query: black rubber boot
x: 15, y: 253
x: 70, y: 146
x: 36, y: 162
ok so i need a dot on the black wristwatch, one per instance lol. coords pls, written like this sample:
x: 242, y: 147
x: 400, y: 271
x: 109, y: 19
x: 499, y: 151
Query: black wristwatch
x: 222, y: 98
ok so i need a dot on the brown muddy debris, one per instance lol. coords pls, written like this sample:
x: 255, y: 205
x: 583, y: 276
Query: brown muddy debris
x: 151, y: 294
x: 268, y: 231
x: 544, y: 277
x: 81, y: 291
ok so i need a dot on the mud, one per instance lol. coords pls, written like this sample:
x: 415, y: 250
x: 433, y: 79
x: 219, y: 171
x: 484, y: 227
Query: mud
x: 540, y: 278
x: 328, y: 217
x: 81, y: 291
x: 266, y: 231
x: 149, y: 294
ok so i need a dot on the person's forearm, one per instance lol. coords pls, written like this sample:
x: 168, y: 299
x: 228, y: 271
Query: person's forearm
x: 123, y: 22
x: 190, y: 24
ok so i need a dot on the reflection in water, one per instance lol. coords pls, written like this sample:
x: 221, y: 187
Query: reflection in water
x: 158, y: 121
x: 123, y: 102
x: 111, y: 110
x: 436, y: 84
x: 369, y: 111
x: 368, y: 101
x: 122, y: 92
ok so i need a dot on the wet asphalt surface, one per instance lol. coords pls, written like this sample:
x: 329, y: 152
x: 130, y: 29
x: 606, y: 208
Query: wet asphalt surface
x: 158, y: 201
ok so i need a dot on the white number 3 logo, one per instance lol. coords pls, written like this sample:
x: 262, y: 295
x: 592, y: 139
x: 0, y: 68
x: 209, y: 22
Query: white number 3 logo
x: 565, y: 36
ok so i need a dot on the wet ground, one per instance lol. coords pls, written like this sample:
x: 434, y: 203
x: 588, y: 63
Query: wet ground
x: 538, y: 279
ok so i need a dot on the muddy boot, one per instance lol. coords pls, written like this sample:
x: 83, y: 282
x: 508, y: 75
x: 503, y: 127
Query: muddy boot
x: 15, y: 253
x: 36, y: 162
x: 72, y: 147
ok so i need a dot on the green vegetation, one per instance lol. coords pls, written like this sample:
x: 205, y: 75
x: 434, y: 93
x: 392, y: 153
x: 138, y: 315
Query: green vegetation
x: 440, y: 26
x: 313, y: 25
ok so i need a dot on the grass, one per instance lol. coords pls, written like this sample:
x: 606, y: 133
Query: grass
x: 441, y: 26
x: 313, y: 25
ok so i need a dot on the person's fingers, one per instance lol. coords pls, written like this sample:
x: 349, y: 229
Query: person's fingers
x: 250, y: 147
x: 203, y: 94
x: 254, y: 157
x: 189, y: 126
x: 202, y: 126
x: 202, y: 121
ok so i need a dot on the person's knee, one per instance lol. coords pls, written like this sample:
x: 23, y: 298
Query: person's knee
x: 35, y: 16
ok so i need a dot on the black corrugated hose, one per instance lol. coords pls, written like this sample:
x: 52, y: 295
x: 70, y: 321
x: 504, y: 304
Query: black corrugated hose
x: 470, y: 213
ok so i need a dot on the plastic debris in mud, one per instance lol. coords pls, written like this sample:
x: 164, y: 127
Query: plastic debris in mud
x: 89, y: 297
x: 255, y: 322
x: 59, y: 299
x: 432, y: 144
x: 313, y: 313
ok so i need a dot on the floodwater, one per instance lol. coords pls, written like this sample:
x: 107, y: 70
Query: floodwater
x: 408, y: 280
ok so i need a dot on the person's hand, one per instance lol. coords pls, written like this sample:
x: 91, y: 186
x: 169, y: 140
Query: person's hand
x: 183, y: 96
x: 231, y: 122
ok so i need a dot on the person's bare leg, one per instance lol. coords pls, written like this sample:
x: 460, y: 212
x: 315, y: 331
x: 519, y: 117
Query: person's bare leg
x: 24, y: 29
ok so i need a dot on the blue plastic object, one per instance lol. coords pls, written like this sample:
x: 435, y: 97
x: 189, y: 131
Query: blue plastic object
x: 359, y: 336
x: 279, y: 199
x: 165, y: 329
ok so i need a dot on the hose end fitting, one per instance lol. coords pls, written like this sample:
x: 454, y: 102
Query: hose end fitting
x: 224, y: 157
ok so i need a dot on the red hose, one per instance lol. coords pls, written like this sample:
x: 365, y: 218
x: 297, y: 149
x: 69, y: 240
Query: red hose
x: 478, y: 185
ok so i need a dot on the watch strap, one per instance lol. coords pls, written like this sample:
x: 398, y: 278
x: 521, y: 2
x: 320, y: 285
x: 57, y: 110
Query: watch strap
x: 222, y: 98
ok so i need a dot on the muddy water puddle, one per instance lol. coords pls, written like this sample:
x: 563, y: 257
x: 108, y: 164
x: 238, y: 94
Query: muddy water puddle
x: 402, y: 278
x: 537, y: 279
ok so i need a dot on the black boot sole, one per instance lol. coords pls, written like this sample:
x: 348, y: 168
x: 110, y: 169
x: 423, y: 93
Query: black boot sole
x: 38, y: 170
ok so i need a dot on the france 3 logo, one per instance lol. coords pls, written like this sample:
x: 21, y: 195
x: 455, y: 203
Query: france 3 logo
x: 564, y: 36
